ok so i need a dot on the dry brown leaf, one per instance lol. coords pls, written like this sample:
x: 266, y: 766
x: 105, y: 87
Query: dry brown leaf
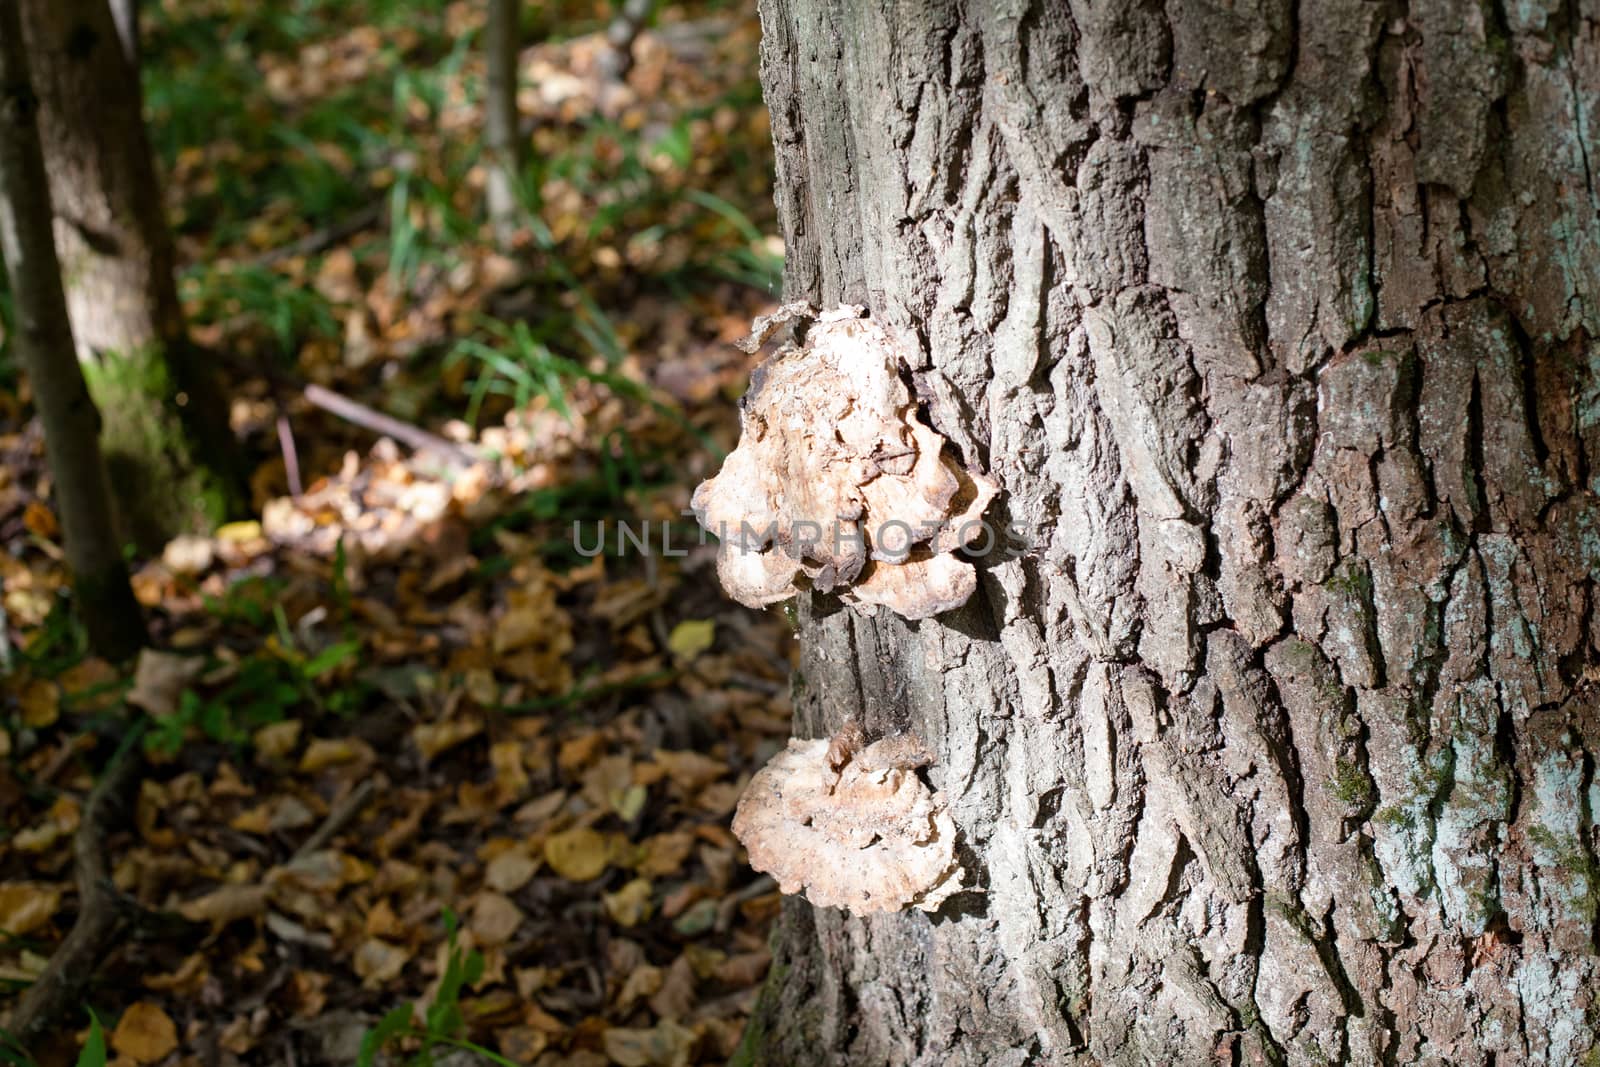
x: 433, y: 738
x: 324, y: 752
x: 690, y: 770
x: 664, y: 1045
x: 145, y: 1033
x: 494, y: 919
x: 26, y: 906
x: 277, y: 740
x: 378, y: 962
x: 629, y: 905
x: 40, y: 701
x: 227, y: 904
x: 510, y: 871
x: 160, y: 679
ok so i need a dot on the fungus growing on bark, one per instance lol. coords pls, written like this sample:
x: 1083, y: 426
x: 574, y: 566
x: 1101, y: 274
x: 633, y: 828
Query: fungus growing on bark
x: 851, y: 827
x: 837, y: 484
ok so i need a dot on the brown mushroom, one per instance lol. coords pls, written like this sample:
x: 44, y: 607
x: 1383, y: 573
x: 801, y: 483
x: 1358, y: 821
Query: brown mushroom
x: 837, y: 484
x: 867, y: 835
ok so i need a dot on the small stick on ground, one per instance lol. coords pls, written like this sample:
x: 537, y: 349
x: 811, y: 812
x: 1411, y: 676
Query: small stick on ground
x: 412, y: 437
x: 101, y: 915
x: 338, y: 816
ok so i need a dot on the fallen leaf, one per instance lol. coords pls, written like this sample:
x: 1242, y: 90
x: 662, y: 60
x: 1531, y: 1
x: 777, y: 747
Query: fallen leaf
x: 510, y: 871
x: 26, y: 906
x: 226, y: 904
x: 39, y: 520
x: 59, y: 822
x: 378, y: 962
x: 236, y: 533
x: 277, y: 740
x: 188, y: 554
x: 577, y: 855
x: 145, y: 1033
x: 690, y: 771
x: 160, y: 679
x: 690, y: 638
x: 494, y: 919
x: 664, y: 1045
x: 629, y: 905
x: 432, y: 738
x: 40, y: 701
x: 697, y: 920
x: 324, y: 752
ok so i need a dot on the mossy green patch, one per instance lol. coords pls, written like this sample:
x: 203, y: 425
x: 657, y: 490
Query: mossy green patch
x: 162, y: 483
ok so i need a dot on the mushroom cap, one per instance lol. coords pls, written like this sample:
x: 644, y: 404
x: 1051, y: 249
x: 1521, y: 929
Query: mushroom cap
x: 870, y: 837
x: 838, y: 484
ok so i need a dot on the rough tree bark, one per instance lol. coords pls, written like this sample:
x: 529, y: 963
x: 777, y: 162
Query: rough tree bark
x: 1276, y: 741
x: 44, y: 346
x: 502, y: 137
x: 166, y: 436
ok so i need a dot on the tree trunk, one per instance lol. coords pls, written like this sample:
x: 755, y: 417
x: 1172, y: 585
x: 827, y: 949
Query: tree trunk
x: 44, y: 346
x: 166, y: 435
x: 1275, y: 742
x: 502, y: 42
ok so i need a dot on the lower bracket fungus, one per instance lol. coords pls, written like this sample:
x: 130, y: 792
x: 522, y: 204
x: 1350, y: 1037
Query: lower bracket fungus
x: 837, y: 484
x: 851, y: 828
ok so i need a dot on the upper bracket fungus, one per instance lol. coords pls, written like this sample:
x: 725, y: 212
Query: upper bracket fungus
x: 852, y: 827
x: 837, y: 484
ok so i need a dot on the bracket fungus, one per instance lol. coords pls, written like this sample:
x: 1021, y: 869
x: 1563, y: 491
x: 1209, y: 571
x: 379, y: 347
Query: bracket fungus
x: 851, y: 827
x: 837, y: 483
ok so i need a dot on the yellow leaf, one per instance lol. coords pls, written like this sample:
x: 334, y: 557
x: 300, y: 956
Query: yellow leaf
x: 238, y: 533
x: 630, y: 904
x: 324, y: 752
x: 433, y: 738
x: 145, y: 1033
x: 26, y: 906
x: 578, y: 855
x: 692, y: 637
x: 40, y: 700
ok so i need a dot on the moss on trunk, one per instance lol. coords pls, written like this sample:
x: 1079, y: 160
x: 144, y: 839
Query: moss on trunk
x: 164, y: 481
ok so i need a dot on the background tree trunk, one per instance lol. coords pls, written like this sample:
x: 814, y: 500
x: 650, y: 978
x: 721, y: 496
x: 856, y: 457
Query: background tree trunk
x: 166, y: 437
x: 44, y: 346
x: 502, y: 41
x: 1277, y: 742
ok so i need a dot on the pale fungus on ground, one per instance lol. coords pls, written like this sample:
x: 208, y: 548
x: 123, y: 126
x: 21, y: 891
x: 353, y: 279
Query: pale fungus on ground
x: 851, y: 827
x: 838, y: 484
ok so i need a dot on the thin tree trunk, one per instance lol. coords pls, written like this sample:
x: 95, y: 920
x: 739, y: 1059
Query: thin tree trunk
x: 166, y: 435
x: 1275, y: 743
x: 502, y: 43
x: 126, y: 15
x: 44, y: 345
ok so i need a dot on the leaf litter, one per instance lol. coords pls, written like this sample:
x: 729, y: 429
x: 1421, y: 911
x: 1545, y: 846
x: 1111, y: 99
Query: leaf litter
x: 401, y: 696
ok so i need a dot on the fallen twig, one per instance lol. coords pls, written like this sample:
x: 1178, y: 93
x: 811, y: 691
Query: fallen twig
x: 101, y: 914
x: 338, y: 817
x: 327, y: 236
x: 413, y: 437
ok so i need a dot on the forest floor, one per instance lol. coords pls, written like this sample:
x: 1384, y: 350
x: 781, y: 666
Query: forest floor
x: 417, y: 773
